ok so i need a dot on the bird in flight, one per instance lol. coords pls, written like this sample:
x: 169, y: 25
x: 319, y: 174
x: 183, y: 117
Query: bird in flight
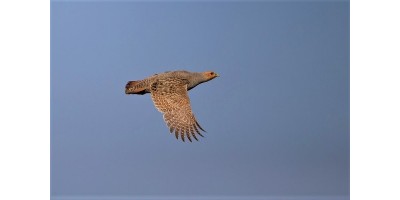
x: 169, y: 92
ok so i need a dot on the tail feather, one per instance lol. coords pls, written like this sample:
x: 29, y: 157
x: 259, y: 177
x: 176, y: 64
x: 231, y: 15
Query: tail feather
x: 134, y: 87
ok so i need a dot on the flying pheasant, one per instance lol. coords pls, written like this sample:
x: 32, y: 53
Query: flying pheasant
x: 169, y: 92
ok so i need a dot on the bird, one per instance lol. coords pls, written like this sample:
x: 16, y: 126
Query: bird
x: 169, y: 92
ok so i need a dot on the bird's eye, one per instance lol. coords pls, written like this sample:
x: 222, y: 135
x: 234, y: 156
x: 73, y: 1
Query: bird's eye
x: 212, y: 73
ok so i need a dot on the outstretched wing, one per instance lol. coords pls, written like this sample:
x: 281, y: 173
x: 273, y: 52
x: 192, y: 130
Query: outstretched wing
x: 170, y: 97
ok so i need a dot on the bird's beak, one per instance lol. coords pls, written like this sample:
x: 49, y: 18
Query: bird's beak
x: 216, y: 75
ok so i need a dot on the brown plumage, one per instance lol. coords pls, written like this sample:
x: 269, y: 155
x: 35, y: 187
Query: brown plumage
x: 169, y: 92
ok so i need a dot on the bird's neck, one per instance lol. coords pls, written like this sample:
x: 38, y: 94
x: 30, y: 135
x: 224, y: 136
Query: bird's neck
x: 198, y: 78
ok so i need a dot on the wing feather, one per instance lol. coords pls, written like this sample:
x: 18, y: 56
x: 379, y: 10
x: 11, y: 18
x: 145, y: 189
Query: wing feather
x: 171, y: 98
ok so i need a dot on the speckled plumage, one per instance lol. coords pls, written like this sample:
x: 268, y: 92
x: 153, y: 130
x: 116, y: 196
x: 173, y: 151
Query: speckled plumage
x: 169, y: 92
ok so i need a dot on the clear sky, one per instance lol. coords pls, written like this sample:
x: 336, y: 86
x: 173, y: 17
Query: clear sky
x: 277, y: 118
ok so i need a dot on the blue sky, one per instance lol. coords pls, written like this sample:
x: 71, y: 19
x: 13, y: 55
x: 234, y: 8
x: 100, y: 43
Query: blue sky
x: 277, y: 119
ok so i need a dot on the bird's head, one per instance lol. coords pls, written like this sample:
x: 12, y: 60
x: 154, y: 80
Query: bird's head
x: 210, y: 75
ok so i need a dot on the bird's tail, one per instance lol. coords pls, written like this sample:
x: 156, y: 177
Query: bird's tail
x: 135, y: 87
